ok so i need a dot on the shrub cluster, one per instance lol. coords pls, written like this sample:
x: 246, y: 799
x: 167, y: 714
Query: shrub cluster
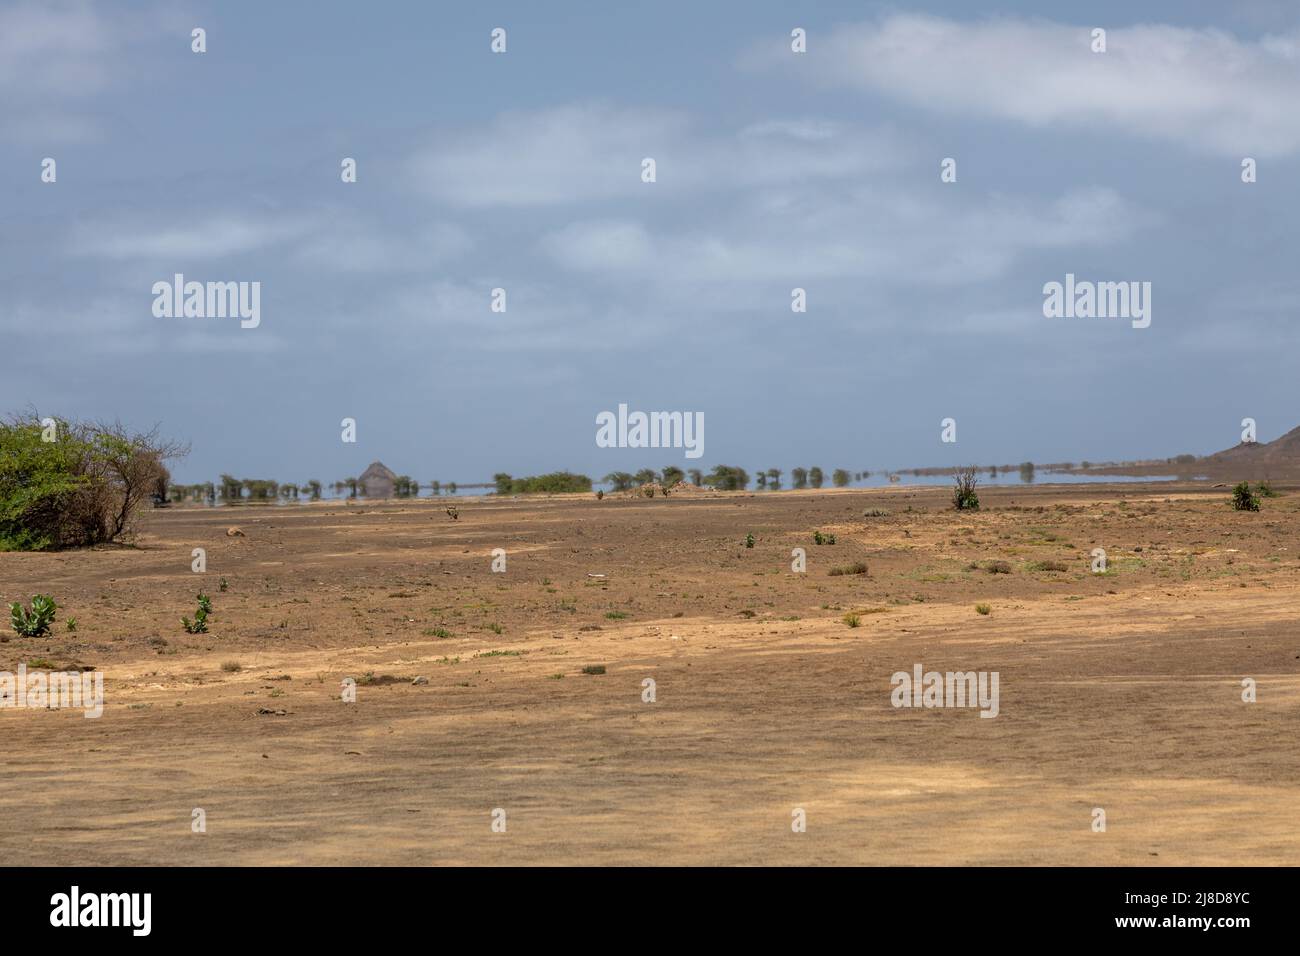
x: 557, y: 482
x: 71, y: 484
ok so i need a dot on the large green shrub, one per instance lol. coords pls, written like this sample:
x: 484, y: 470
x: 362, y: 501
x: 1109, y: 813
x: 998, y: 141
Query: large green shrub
x: 41, y: 482
x: 69, y: 484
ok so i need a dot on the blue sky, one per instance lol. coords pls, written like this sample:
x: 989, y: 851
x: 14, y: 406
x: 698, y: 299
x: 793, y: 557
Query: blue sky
x: 774, y: 171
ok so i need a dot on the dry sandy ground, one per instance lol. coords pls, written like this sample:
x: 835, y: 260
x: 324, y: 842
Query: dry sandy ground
x: 1120, y: 691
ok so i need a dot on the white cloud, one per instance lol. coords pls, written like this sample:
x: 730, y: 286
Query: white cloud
x: 360, y: 248
x: 56, y: 56
x: 1203, y: 88
x: 212, y: 238
x: 593, y: 152
x: 55, y: 49
x: 895, y: 235
x: 600, y: 245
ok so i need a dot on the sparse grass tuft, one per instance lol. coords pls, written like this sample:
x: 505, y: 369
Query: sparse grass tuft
x: 983, y: 609
x: 1046, y: 566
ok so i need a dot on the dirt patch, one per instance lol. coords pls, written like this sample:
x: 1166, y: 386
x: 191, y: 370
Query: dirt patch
x: 1120, y: 690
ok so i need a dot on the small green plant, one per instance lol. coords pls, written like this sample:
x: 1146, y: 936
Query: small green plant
x: 35, y: 622
x: 1265, y: 490
x: 749, y: 540
x: 223, y: 586
x: 964, y: 497
x: 1243, y: 499
x: 200, y: 623
x: 594, y: 669
x: 495, y: 628
x: 71, y: 624
x: 875, y: 513
x: 439, y: 632
x: 852, y: 619
x: 983, y: 609
x: 857, y: 567
x: 819, y: 538
x: 232, y: 667
x: 616, y: 615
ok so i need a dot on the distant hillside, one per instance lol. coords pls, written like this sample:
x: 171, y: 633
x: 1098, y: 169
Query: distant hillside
x: 1254, y: 461
x: 1279, y: 458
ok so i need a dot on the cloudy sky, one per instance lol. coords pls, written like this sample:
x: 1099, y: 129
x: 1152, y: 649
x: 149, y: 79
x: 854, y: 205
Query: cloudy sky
x: 775, y: 170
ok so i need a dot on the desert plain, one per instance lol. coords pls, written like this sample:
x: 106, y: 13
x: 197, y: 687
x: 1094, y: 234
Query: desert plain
x: 1120, y: 691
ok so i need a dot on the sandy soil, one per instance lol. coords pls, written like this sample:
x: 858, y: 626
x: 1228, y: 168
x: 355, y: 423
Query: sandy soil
x: 1120, y: 691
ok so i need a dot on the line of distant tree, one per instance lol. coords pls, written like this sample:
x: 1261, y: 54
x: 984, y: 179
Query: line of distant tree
x: 722, y: 477
x: 231, y: 490
x: 731, y: 478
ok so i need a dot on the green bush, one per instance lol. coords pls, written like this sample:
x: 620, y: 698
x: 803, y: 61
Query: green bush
x: 557, y: 482
x: 37, y: 621
x: 1243, y: 499
x: 67, y: 484
x: 200, y: 623
x: 44, y: 490
x: 964, y: 497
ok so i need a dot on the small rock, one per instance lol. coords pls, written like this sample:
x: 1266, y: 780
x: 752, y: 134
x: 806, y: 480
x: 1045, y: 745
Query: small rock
x: 419, y: 681
x: 235, y: 533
